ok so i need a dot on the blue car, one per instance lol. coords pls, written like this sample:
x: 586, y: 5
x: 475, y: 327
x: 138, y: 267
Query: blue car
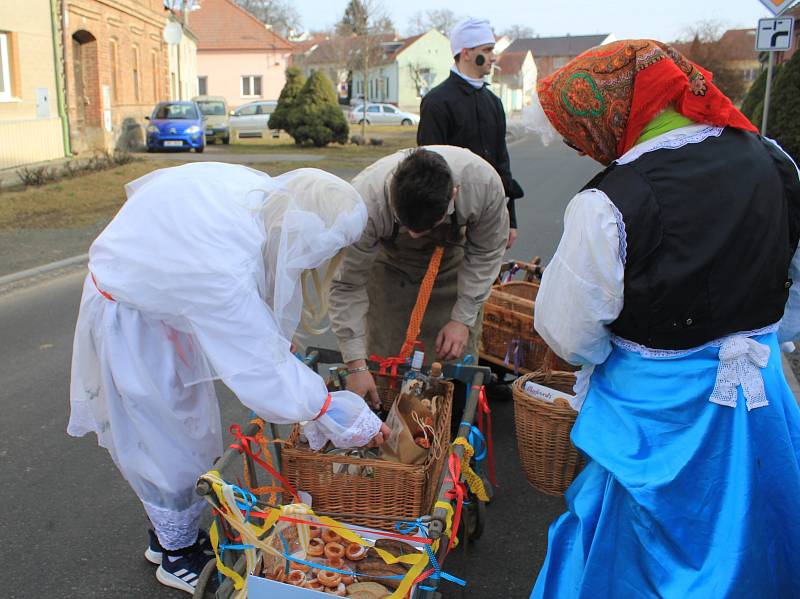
x: 176, y: 126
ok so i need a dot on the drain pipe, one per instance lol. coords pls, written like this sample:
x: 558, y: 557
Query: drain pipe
x: 58, y: 64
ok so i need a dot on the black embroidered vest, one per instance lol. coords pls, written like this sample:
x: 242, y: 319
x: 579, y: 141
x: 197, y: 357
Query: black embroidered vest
x: 711, y: 228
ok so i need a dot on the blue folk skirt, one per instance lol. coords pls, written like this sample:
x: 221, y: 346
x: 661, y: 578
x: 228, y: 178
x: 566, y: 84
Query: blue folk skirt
x: 681, y: 497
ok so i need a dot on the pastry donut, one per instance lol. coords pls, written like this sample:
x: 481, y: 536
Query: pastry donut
x: 301, y: 567
x: 314, y: 531
x: 314, y: 585
x: 296, y: 577
x: 336, y: 562
x: 339, y: 591
x: 316, y: 547
x: 355, y: 552
x: 329, y: 579
x: 333, y: 550
x: 348, y: 579
x: 330, y: 536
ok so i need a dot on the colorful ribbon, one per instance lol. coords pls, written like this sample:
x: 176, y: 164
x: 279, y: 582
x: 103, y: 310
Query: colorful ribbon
x: 243, y: 445
x: 485, y: 426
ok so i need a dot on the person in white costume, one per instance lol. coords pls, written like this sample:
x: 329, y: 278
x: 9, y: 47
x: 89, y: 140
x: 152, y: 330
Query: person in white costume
x: 200, y: 276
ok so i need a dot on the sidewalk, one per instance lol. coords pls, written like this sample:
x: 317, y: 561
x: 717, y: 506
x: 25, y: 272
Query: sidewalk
x: 9, y: 177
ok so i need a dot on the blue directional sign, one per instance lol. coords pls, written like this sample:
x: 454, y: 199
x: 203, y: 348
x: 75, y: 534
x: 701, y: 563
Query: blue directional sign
x: 775, y: 34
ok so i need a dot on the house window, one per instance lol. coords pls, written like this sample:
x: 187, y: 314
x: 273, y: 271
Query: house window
x: 137, y: 95
x: 114, y: 56
x: 202, y: 86
x: 750, y: 74
x: 251, y: 86
x: 5, y: 69
x: 156, y: 86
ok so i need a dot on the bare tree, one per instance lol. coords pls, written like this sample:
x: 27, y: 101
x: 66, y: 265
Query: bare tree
x: 703, y: 45
x: 518, y: 32
x: 279, y: 15
x: 442, y: 20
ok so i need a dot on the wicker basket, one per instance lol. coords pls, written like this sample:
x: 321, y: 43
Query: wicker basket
x: 508, y: 335
x: 382, y: 488
x: 548, y: 458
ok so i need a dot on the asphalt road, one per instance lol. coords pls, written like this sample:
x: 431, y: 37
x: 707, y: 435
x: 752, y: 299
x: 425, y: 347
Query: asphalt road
x: 72, y: 528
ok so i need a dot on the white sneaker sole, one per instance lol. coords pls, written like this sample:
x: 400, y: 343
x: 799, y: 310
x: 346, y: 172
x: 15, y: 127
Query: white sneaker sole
x: 173, y: 581
x: 154, y: 557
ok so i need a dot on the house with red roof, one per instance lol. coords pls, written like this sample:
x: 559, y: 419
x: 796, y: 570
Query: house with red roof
x: 514, y: 79
x: 238, y: 57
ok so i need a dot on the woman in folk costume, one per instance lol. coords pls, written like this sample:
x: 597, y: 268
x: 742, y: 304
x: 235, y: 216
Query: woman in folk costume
x: 200, y: 276
x: 669, y: 287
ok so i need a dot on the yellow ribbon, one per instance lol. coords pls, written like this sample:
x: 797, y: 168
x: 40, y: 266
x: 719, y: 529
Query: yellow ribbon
x: 474, y: 481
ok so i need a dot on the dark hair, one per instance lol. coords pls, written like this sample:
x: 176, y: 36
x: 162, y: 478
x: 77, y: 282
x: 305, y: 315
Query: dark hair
x: 457, y: 57
x: 421, y: 189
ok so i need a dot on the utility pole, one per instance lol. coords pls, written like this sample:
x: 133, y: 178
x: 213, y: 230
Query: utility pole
x: 366, y: 86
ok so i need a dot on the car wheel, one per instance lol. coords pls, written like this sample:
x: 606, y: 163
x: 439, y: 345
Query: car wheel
x: 199, y: 149
x: 406, y: 123
x: 226, y: 140
x: 150, y: 149
x: 361, y: 122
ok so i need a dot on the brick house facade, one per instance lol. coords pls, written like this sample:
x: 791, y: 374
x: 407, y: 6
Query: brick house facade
x: 116, y: 66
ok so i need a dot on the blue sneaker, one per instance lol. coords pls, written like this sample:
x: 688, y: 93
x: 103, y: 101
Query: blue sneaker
x: 154, y: 552
x: 181, y: 569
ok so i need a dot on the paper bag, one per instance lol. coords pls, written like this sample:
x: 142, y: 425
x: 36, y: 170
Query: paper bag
x: 401, y: 446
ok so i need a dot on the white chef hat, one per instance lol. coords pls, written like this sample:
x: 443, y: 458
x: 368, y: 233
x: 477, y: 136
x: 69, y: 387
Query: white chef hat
x: 471, y: 33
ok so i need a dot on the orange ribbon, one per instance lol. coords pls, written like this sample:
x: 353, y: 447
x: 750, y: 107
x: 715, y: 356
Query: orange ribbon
x: 486, y: 430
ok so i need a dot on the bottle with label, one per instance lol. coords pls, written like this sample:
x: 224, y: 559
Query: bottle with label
x: 415, y: 382
x: 334, y: 382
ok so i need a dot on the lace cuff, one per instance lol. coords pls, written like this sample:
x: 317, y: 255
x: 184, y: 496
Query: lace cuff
x: 176, y: 529
x: 364, y: 427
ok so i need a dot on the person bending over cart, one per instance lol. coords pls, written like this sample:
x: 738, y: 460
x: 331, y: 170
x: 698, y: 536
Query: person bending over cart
x: 200, y: 276
x: 672, y: 278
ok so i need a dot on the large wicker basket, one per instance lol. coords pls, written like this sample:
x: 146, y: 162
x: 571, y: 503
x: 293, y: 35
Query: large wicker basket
x: 548, y: 458
x: 509, y: 337
x: 382, y: 488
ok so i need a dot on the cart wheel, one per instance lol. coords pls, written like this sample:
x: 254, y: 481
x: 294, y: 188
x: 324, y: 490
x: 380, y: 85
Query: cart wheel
x: 474, y: 517
x: 206, y: 587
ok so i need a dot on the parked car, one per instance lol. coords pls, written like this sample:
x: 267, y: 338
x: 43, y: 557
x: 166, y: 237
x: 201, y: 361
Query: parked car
x: 251, y: 120
x: 382, y: 114
x: 215, y: 109
x: 176, y: 125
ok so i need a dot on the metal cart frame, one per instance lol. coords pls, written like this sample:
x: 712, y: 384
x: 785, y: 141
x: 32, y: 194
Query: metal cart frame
x: 473, y: 518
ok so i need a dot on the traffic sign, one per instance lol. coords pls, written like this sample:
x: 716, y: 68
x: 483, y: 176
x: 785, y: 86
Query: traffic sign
x: 776, y: 7
x: 774, y: 34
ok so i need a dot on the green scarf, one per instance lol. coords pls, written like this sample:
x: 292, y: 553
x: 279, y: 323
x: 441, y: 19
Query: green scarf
x: 665, y: 122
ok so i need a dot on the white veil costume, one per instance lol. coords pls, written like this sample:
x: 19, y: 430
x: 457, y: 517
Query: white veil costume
x: 197, y: 278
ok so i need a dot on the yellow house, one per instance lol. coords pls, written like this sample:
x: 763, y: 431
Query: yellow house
x: 32, y: 121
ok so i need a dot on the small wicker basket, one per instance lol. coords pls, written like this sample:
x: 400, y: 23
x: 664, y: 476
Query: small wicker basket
x: 548, y: 458
x: 508, y: 336
x: 364, y: 487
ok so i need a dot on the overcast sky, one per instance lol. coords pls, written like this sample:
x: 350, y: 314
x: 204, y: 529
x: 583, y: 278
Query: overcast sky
x: 658, y: 19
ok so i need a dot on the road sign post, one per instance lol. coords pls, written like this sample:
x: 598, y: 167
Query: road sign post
x: 773, y: 35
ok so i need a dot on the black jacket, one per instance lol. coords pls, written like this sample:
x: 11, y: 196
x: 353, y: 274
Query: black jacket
x: 710, y: 230
x: 454, y: 113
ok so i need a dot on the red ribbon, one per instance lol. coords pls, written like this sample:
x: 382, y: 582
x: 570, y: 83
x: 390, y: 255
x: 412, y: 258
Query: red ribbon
x: 324, y: 407
x: 105, y: 294
x: 388, y: 366
x: 483, y: 410
x: 243, y: 445
x: 458, y: 492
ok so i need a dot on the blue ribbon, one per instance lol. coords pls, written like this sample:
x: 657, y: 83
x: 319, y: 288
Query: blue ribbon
x: 467, y: 360
x: 477, y: 440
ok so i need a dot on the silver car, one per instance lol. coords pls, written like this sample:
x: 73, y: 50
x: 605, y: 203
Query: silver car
x: 382, y: 114
x: 251, y: 120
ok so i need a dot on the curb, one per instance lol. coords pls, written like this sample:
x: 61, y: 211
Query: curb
x: 40, y: 270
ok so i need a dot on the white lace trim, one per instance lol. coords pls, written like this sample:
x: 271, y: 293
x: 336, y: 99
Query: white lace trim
x: 623, y: 237
x: 672, y: 140
x: 649, y: 352
x: 365, y: 426
x: 175, y: 529
x: 581, y: 386
x: 740, y: 361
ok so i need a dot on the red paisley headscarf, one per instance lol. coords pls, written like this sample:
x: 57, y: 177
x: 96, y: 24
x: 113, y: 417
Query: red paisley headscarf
x: 602, y: 99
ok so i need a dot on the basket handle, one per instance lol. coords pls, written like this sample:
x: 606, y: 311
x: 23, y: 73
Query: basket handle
x: 548, y: 364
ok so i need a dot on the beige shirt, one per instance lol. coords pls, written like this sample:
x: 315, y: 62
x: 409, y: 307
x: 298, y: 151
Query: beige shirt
x: 480, y: 205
